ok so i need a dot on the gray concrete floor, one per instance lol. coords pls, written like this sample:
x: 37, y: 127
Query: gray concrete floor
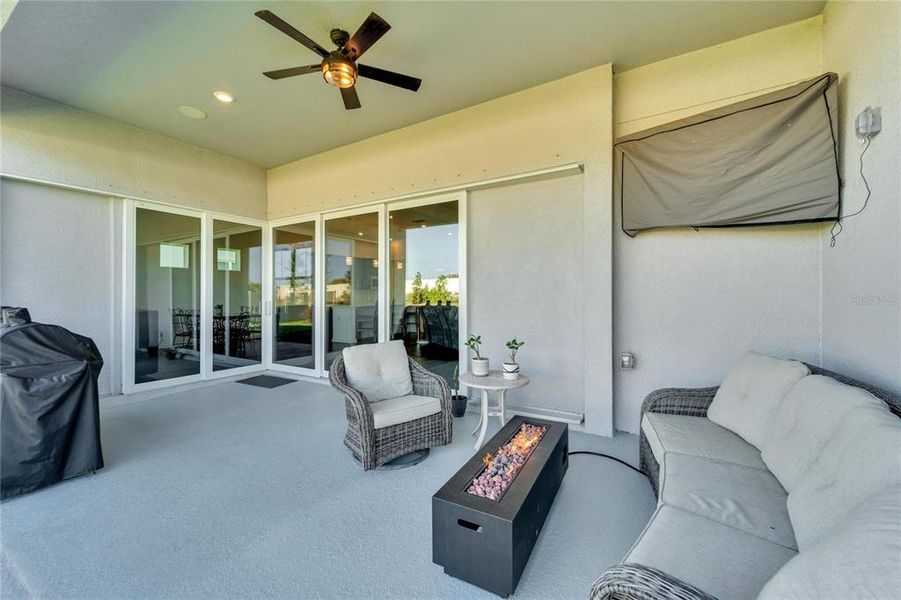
x: 234, y: 491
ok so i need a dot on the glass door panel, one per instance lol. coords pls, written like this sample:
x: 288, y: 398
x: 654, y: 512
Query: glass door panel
x: 167, y: 296
x: 424, y: 282
x: 293, y: 264
x: 237, y: 267
x: 351, y: 282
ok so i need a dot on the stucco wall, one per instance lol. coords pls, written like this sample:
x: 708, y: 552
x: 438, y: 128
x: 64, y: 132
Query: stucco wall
x: 531, y: 286
x: 564, y: 121
x: 53, y: 142
x: 59, y: 257
x: 862, y: 273
x: 688, y: 303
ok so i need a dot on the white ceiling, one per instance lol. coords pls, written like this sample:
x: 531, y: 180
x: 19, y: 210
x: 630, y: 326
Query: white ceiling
x: 138, y: 61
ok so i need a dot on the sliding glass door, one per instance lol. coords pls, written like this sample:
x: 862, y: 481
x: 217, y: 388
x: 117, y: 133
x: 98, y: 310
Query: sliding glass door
x: 294, y: 295
x: 167, y: 326
x: 237, y: 269
x: 351, y: 282
x: 211, y: 296
x: 425, y: 283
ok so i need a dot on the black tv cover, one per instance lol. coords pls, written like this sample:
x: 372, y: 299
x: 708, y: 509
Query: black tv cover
x: 764, y: 161
x: 50, y: 421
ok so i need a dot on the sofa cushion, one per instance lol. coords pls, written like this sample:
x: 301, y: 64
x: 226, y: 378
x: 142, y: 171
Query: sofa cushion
x: 861, y: 458
x: 858, y: 558
x: 696, y: 436
x: 746, y: 498
x: 379, y: 371
x: 810, y: 413
x: 405, y: 408
x: 720, y: 560
x: 749, y: 397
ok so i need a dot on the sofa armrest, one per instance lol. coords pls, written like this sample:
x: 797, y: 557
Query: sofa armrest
x: 632, y: 581
x: 679, y: 401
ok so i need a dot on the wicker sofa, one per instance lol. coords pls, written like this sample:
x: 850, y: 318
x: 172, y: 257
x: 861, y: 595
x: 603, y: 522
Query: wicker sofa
x: 725, y: 527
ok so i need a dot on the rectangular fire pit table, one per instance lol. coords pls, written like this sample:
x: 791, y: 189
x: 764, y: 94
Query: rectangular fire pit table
x: 488, y: 542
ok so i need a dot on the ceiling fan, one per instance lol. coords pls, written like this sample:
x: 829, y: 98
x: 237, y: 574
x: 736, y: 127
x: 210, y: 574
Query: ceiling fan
x: 339, y: 67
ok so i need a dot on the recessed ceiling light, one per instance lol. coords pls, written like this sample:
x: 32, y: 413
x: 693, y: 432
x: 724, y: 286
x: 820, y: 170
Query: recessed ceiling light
x: 360, y: 233
x: 223, y: 97
x: 192, y: 112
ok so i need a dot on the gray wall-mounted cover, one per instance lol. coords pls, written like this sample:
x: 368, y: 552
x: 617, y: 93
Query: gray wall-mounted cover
x: 764, y: 161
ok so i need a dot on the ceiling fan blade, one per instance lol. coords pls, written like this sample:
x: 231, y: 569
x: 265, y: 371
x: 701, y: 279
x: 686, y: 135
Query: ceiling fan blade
x: 282, y: 73
x: 373, y: 28
x: 351, y: 100
x: 290, y: 31
x: 389, y: 77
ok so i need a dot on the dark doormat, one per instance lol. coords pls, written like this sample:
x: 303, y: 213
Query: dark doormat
x: 266, y: 381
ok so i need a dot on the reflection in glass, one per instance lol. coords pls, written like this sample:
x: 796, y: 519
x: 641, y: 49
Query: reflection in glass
x: 237, y: 295
x: 293, y: 261
x: 425, y: 284
x: 351, y: 282
x: 167, y: 296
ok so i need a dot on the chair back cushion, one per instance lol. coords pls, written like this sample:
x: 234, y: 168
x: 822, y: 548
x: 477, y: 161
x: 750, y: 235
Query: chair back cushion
x: 858, y: 558
x: 379, y: 371
x: 860, y: 459
x: 809, y: 415
x: 751, y: 394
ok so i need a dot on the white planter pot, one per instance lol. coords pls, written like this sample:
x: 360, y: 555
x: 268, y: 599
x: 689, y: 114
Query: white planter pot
x: 479, y: 367
x: 511, y: 370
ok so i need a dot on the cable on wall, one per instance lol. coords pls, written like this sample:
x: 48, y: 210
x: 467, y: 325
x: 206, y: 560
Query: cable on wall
x: 837, y: 227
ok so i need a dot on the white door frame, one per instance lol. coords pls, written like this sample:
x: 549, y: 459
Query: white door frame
x: 462, y: 325
x: 269, y: 302
x: 381, y: 242
x: 207, y: 296
x: 206, y: 218
x: 129, y: 333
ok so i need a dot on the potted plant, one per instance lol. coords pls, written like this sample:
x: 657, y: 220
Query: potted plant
x: 511, y: 367
x: 479, y: 365
x: 458, y: 401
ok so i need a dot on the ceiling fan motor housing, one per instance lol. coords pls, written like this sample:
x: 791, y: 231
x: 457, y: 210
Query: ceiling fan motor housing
x: 339, y: 37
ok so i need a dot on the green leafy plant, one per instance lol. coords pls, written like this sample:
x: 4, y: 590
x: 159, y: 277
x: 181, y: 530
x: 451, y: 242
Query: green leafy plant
x: 474, y: 343
x: 513, y: 346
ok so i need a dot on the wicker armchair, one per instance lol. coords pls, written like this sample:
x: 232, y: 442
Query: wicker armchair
x: 374, y: 447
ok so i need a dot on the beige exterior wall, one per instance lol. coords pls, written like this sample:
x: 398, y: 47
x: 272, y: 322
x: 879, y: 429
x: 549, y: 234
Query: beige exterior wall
x: 689, y: 303
x: 862, y: 273
x: 564, y: 121
x: 53, y: 142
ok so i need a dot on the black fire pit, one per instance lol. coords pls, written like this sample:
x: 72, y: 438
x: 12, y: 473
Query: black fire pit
x: 488, y: 542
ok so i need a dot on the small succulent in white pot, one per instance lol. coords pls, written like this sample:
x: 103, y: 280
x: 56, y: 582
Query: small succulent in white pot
x: 511, y: 367
x: 478, y: 365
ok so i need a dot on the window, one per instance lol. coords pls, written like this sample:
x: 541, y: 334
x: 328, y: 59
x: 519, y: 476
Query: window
x: 175, y: 256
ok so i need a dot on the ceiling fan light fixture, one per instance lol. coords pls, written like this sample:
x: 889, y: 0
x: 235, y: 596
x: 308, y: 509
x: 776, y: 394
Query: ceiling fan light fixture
x: 339, y: 71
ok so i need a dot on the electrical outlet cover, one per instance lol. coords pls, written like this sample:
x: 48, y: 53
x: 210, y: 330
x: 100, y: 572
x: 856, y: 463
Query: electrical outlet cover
x: 869, y: 122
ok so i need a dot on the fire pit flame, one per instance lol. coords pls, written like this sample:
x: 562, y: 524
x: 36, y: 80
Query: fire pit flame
x: 502, y: 467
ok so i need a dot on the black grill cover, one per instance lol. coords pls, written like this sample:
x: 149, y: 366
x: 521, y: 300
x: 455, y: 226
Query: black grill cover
x: 50, y: 421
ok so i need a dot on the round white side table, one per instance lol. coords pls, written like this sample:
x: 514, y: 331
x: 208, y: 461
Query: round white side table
x: 493, y: 381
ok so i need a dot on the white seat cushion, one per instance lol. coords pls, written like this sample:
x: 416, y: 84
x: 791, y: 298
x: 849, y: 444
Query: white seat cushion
x: 405, y: 408
x: 697, y: 436
x: 861, y: 458
x: 751, y: 394
x: 810, y: 413
x: 720, y: 560
x: 858, y: 558
x: 748, y: 499
x: 379, y: 371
